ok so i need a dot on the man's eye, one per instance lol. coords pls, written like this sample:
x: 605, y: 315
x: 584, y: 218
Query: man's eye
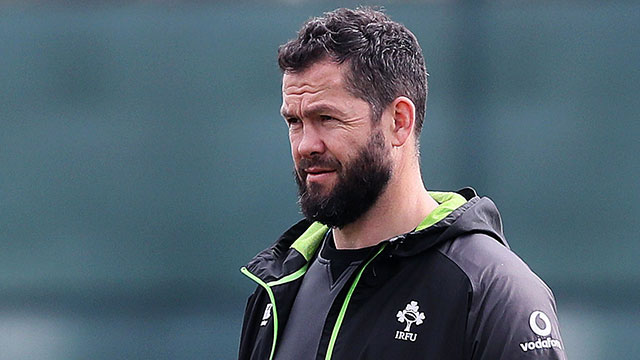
x: 292, y: 121
x: 326, y: 117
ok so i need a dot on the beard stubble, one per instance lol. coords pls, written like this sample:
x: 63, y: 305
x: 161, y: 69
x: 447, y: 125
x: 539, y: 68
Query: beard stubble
x: 360, y: 183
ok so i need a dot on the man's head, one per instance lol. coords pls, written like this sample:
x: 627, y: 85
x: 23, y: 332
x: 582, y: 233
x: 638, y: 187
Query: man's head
x: 383, y: 57
x: 351, y: 103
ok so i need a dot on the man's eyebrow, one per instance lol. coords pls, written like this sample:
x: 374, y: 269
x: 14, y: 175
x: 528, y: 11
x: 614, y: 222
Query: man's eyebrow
x: 322, y: 109
x: 314, y: 110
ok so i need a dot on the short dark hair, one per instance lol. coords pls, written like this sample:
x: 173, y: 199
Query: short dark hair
x: 384, y: 57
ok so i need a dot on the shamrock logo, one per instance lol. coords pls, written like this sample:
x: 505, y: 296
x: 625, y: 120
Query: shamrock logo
x: 410, y: 315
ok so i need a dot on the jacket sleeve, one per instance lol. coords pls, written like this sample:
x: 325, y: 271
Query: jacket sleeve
x: 513, y: 312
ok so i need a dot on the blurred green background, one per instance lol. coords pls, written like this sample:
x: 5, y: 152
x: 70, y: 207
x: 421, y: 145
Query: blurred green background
x: 143, y: 162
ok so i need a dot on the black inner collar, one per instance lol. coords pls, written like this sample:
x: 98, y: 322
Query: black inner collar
x: 340, y: 260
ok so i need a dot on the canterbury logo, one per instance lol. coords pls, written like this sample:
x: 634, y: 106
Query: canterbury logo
x: 267, y: 315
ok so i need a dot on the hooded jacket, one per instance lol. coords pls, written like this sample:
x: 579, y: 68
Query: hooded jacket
x: 451, y: 289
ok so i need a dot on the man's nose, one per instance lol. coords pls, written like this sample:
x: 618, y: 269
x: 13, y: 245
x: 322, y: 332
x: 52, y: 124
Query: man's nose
x: 311, y: 142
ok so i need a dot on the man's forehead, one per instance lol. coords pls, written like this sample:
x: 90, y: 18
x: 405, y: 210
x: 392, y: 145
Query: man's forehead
x: 321, y: 75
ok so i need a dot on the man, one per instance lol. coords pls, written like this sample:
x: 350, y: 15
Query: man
x: 381, y: 268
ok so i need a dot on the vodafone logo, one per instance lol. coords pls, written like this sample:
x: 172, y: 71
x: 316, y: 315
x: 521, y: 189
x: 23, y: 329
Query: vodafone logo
x: 533, y: 323
x: 540, y: 324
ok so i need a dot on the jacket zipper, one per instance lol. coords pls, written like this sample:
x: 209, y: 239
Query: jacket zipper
x: 267, y: 286
x: 345, y: 304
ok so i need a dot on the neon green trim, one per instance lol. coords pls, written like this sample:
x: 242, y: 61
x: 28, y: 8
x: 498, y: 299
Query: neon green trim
x: 345, y: 304
x: 449, y: 201
x: 267, y: 287
x: 290, y: 277
x: 273, y: 303
x: 308, y: 242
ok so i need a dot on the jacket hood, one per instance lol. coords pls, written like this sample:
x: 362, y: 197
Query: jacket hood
x: 458, y: 214
x: 476, y: 215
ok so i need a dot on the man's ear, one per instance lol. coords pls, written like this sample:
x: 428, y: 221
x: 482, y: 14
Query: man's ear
x: 404, y: 115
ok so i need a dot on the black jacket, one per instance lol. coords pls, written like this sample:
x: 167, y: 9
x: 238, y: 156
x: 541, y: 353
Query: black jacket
x: 452, y: 290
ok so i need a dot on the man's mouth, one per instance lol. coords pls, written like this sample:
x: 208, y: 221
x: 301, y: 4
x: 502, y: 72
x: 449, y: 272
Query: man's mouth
x: 318, y: 174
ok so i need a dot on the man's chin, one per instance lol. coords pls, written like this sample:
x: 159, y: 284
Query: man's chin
x: 317, y: 190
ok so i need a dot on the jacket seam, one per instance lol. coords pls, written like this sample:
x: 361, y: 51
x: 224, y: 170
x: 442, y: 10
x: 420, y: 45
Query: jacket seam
x: 468, y: 342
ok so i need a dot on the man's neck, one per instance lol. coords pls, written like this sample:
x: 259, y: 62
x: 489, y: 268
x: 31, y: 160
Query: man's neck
x: 400, y: 209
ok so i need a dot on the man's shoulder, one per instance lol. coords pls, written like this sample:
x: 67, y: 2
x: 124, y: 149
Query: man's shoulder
x: 490, y: 265
x: 512, y: 312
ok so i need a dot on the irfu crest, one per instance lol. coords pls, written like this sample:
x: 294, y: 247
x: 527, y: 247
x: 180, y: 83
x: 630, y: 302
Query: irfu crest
x: 410, y: 315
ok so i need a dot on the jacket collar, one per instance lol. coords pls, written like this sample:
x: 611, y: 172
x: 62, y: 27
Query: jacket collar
x: 298, y: 245
x: 308, y: 242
